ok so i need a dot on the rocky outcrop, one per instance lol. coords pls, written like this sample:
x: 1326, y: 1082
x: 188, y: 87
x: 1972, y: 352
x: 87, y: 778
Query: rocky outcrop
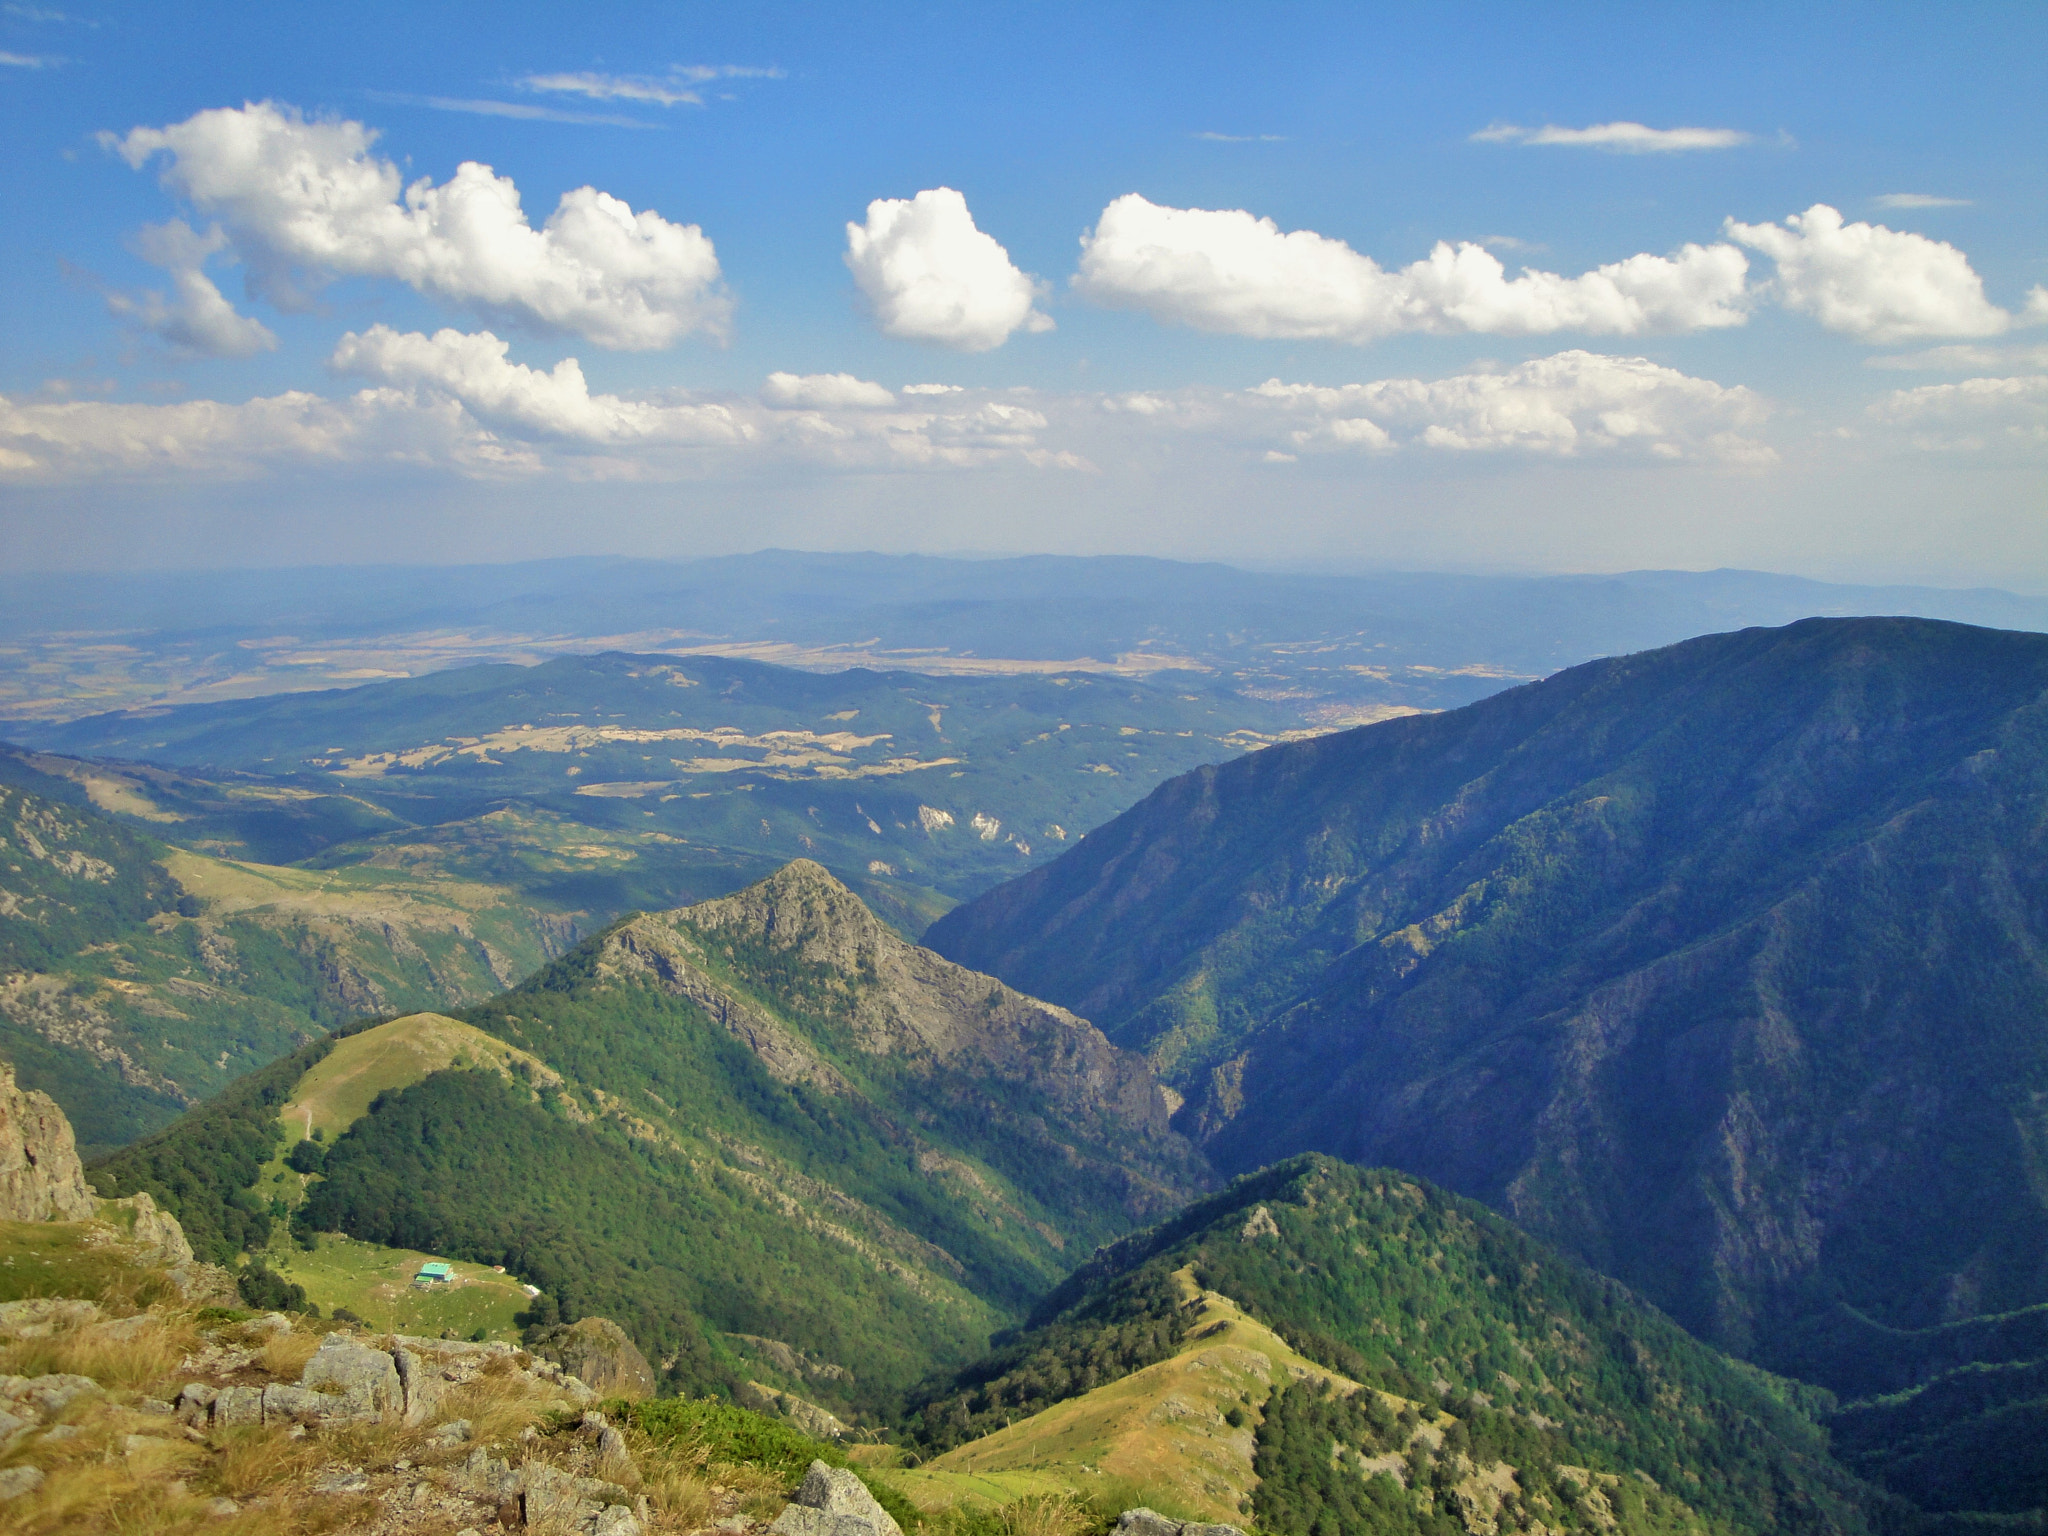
x: 156, y: 1232
x: 597, y: 1352
x: 818, y: 1423
x: 349, y: 1379
x: 41, y: 1178
x: 834, y: 1502
x: 1149, y: 1522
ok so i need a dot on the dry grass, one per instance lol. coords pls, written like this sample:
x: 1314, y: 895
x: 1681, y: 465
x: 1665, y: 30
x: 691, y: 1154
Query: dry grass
x: 285, y: 1354
x: 498, y: 1404
x: 131, y: 1359
x: 255, y: 1460
x: 678, y: 1494
x: 1046, y: 1515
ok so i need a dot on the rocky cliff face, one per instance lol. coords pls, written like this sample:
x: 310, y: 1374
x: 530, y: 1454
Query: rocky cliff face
x: 41, y: 1178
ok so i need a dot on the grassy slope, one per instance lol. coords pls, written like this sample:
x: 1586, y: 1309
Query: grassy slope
x: 375, y: 1283
x: 337, y: 1090
x: 1161, y: 1429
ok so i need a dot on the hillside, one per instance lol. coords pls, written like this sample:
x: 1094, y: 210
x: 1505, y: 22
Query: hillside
x: 765, y: 1134
x: 137, y: 978
x: 1719, y: 966
x: 1709, y: 964
x: 1334, y: 1344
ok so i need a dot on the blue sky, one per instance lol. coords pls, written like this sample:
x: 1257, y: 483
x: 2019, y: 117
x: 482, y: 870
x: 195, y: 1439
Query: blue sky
x: 1835, y: 398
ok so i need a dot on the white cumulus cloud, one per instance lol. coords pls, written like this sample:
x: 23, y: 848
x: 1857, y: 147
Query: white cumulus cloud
x: 196, y: 317
x: 1568, y: 404
x: 1870, y: 282
x: 930, y: 275
x: 1225, y: 270
x: 824, y: 391
x: 1617, y: 138
x: 302, y: 201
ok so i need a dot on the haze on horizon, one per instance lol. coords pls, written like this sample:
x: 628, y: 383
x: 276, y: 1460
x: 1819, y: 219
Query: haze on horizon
x: 1486, y: 288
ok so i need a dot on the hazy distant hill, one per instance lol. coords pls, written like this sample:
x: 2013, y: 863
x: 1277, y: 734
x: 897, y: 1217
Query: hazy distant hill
x: 1319, y: 643
x: 1722, y: 966
x: 763, y: 1118
x: 691, y: 771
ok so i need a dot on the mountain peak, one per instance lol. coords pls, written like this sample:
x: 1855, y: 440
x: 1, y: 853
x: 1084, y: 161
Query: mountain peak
x: 802, y: 907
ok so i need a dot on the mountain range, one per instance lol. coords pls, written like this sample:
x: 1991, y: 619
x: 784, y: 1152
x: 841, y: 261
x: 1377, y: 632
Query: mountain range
x: 1716, y: 970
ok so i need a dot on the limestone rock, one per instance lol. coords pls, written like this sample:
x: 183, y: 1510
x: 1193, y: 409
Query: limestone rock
x: 155, y: 1230
x: 597, y: 1352
x: 1149, y: 1522
x: 818, y: 1423
x: 15, y: 1481
x: 37, y: 1317
x: 421, y: 1384
x: 44, y: 1397
x: 834, y: 1502
x: 238, y: 1405
x: 283, y: 1403
x: 365, y: 1379
x: 41, y: 1178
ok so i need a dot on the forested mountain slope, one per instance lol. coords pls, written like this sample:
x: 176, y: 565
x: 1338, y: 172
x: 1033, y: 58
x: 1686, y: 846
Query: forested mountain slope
x: 137, y: 978
x: 762, y: 1120
x: 1721, y: 966
x: 1470, y: 1378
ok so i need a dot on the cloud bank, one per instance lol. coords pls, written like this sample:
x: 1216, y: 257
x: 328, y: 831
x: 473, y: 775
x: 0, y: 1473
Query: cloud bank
x: 928, y: 274
x: 303, y: 201
x: 1566, y: 405
x: 1227, y: 271
x: 455, y: 402
x: 1970, y: 415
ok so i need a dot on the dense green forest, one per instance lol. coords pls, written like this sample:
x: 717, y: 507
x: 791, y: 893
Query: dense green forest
x: 203, y: 1167
x: 1719, y: 966
x: 610, y: 1226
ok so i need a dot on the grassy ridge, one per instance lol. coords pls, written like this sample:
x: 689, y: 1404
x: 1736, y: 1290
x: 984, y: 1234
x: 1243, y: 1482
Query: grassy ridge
x: 1436, y: 1301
